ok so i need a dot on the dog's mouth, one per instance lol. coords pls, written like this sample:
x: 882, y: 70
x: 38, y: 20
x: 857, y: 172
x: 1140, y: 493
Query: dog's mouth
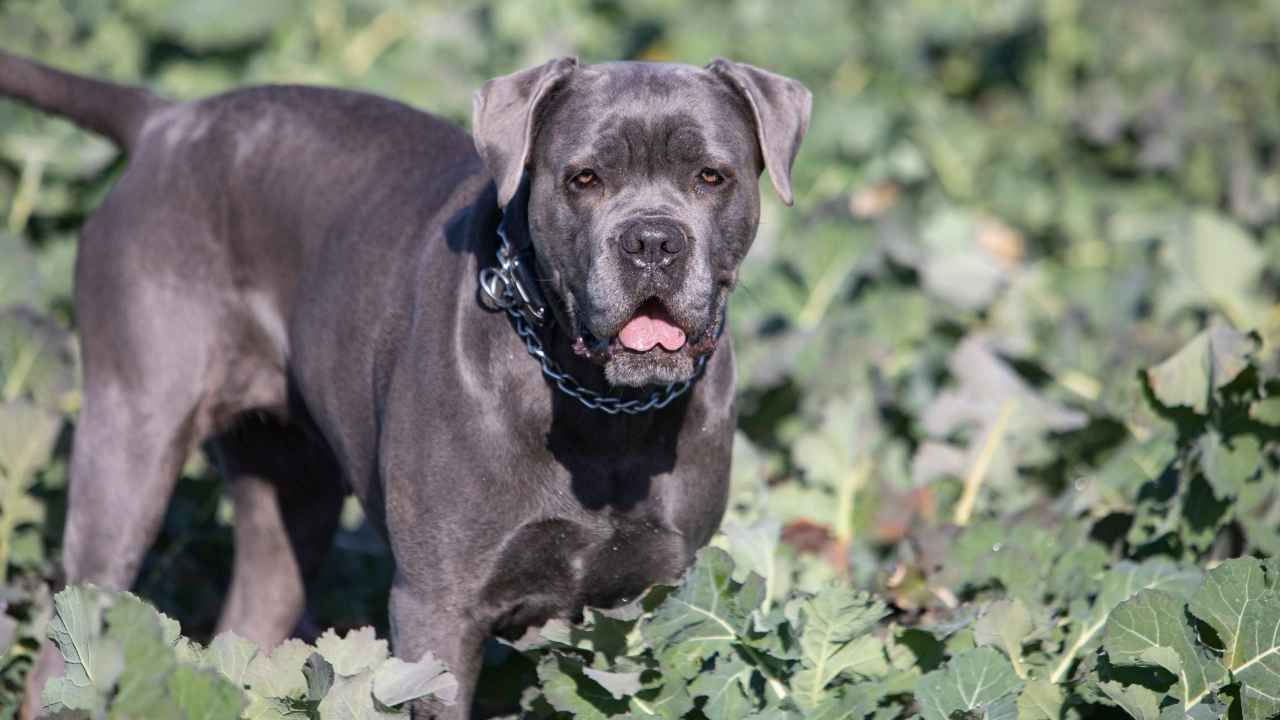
x: 651, y: 326
x: 651, y: 333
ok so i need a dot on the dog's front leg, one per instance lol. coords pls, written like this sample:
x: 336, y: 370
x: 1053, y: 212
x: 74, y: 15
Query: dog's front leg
x: 422, y: 620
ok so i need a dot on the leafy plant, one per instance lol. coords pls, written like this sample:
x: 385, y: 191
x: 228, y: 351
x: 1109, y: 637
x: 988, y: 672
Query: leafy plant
x: 124, y: 659
x: 1007, y: 371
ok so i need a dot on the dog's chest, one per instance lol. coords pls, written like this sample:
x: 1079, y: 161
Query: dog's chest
x: 554, y: 567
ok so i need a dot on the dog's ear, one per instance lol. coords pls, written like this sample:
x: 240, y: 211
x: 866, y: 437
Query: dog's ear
x: 781, y: 107
x: 503, y: 117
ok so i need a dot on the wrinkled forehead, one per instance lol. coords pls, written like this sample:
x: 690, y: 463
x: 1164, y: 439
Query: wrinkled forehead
x: 629, y: 116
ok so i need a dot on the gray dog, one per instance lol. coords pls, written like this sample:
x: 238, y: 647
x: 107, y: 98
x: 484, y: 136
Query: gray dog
x: 509, y: 348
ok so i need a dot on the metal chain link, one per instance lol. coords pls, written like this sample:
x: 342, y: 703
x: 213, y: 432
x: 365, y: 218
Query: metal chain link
x: 502, y: 288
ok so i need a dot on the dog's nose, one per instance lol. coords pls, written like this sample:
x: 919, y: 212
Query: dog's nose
x: 652, y: 242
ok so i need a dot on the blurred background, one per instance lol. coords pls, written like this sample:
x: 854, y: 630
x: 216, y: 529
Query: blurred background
x: 1005, y: 210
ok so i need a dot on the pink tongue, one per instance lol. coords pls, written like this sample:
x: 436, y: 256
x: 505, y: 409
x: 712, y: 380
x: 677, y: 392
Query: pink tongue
x: 651, y: 326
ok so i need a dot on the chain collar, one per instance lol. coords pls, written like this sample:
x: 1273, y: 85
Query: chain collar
x: 511, y: 285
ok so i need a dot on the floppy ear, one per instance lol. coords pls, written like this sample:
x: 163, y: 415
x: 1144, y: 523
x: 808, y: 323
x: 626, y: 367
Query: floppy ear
x: 781, y: 108
x: 503, y: 113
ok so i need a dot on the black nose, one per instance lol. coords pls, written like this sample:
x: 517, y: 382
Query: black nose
x: 652, y: 242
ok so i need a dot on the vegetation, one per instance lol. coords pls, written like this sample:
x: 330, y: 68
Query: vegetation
x: 1009, y: 390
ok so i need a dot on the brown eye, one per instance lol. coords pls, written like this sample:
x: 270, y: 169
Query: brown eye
x: 584, y: 179
x: 710, y: 177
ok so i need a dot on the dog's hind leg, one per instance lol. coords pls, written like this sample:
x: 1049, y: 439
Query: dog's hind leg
x: 149, y: 357
x: 287, y: 496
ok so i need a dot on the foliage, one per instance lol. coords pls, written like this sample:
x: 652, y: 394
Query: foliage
x: 1009, y: 401
x: 125, y: 659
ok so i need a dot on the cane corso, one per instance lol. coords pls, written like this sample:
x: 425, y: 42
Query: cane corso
x: 509, y: 346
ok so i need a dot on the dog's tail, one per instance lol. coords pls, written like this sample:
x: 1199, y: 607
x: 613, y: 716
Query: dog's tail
x: 116, y: 111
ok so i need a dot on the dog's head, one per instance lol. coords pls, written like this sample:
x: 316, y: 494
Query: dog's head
x: 644, y: 194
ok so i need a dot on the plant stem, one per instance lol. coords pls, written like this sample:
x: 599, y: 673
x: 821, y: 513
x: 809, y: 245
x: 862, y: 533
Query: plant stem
x: 978, y: 472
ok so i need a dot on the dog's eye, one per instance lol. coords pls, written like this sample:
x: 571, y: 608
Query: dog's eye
x: 710, y: 177
x: 584, y: 179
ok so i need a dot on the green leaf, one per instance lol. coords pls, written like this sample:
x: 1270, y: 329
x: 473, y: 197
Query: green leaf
x: 1228, y: 464
x: 845, y: 703
x: 37, y: 358
x: 279, y: 674
x: 725, y: 689
x: 91, y: 662
x: 1242, y: 605
x: 397, y: 681
x: 619, y: 684
x: 1141, y: 703
x: 834, y: 640
x: 1266, y: 411
x: 1210, y: 361
x: 148, y: 658
x: 670, y: 701
x: 570, y: 691
x: 702, y: 615
x: 27, y: 434
x: 1120, y: 583
x: 977, y: 680
x: 231, y: 655
x: 358, y: 651
x: 1040, y: 700
x: 203, y: 694
x: 1150, y: 629
x: 1221, y: 261
x: 319, y: 676
x: 1006, y: 624
x: 351, y: 698
x: 598, y: 633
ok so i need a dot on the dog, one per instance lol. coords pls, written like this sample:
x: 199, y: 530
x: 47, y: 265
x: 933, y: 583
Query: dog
x: 510, y: 347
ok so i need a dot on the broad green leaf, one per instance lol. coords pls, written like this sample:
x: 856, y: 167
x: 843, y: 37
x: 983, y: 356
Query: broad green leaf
x: 570, y: 691
x: 265, y: 708
x: 37, y: 358
x: 278, y: 674
x: 396, y: 681
x: 702, y: 615
x: 1228, y: 464
x: 19, y: 277
x: 726, y: 689
x: 231, y: 655
x: 853, y: 702
x: 351, y: 698
x: 204, y: 694
x: 670, y: 701
x: 619, y: 684
x: 1120, y: 583
x: 1140, y: 702
x: 149, y: 659
x: 1006, y: 624
x: 755, y: 548
x: 1242, y: 605
x: 1040, y: 700
x: 977, y: 680
x: 599, y: 633
x: 1221, y: 261
x: 27, y: 434
x: 1210, y: 361
x: 1150, y: 629
x: 359, y: 650
x: 834, y: 640
x: 1266, y: 411
x: 92, y: 663
x: 319, y: 676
